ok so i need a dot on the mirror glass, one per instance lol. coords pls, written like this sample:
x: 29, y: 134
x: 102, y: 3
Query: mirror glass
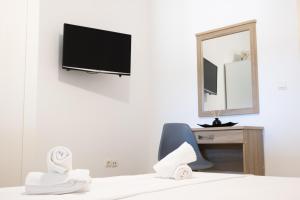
x: 227, y: 72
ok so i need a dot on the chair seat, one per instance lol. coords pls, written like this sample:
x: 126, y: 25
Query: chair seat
x: 196, y: 166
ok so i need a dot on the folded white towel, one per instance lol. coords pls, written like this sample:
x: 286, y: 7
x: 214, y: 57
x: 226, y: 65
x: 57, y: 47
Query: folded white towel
x: 184, y: 154
x: 183, y: 172
x: 59, y: 160
x: 54, y: 183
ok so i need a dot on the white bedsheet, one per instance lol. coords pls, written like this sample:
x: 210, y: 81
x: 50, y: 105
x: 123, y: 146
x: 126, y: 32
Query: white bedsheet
x: 206, y: 186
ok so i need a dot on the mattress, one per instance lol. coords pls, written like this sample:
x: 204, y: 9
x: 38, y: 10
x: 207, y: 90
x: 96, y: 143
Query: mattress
x: 206, y: 186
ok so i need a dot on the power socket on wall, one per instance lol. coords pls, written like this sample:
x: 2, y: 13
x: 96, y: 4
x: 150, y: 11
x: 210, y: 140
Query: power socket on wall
x: 112, y: 164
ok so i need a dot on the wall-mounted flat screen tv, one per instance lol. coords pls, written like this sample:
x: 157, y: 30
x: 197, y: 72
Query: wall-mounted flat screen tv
x: 96, y: 50
x: 210, y: 77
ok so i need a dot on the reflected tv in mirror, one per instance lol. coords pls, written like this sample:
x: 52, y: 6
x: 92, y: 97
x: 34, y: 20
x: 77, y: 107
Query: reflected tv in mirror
x: 95, y: 50
x: 210, y: 77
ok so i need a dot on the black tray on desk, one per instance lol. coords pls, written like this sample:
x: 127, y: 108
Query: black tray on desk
x: 228, y: 124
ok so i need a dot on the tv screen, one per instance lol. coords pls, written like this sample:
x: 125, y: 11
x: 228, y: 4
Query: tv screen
x: 210, y: 77
x: 95, y: 50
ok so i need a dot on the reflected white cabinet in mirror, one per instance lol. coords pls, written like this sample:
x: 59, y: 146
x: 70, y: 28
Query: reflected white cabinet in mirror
x: 227, y: 70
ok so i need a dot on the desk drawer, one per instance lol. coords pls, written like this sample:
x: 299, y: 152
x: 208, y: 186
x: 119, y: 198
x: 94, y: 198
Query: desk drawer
x: 219, y: 137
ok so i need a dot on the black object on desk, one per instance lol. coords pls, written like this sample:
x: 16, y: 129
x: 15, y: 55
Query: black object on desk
x: 217, y: 123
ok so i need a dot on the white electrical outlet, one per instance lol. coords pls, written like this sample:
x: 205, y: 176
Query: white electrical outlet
x: 112, y: 164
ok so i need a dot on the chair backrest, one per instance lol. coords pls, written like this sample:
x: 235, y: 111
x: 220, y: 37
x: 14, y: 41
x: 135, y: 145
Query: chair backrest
x: 173, y: 135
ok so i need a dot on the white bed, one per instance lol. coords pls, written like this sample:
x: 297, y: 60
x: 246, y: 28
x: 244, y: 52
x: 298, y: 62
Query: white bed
x: 205, y: 186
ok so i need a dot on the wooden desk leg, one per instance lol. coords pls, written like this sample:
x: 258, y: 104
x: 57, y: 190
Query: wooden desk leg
x: 246, y: 155
x: 261, y: 159
x: 253, y: 154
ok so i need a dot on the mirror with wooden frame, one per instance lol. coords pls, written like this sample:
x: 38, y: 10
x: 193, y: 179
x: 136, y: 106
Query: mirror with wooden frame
x: 227, y: 70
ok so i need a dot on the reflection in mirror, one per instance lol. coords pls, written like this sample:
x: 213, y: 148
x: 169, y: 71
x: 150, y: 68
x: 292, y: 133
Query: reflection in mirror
x: 227, y: 72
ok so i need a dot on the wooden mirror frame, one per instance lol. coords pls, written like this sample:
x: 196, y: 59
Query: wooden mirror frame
x: 228, y: 30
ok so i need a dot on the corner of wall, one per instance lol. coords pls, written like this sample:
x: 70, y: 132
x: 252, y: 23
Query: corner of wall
x: 30, y: 88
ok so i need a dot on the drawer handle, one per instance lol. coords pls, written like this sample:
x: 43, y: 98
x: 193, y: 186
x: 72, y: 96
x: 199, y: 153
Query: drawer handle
x: 210, y: 137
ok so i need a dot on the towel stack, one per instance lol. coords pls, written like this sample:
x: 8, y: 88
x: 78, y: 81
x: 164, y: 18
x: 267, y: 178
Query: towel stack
x: 174, y: 165
x: 60, y: 178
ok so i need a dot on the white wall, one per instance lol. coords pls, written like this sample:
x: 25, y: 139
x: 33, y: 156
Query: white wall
x: 12, y: 69
x: 175, y: 23
x: 99, y: 117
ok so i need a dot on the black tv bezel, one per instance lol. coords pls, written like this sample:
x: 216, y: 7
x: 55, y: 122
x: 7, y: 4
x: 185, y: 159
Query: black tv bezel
x: 93, y: 71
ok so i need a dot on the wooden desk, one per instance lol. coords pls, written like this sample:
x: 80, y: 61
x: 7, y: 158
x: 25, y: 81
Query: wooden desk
x: 234, y: 149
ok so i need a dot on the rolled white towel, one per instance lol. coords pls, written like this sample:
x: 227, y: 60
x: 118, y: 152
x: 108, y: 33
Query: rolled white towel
x: 59, y: 160
x: 37, y: 183
x: 184, y: 154
x: 183, y: 172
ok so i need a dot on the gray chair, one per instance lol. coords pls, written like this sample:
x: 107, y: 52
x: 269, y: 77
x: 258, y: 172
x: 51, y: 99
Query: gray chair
x: 173, y: 135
